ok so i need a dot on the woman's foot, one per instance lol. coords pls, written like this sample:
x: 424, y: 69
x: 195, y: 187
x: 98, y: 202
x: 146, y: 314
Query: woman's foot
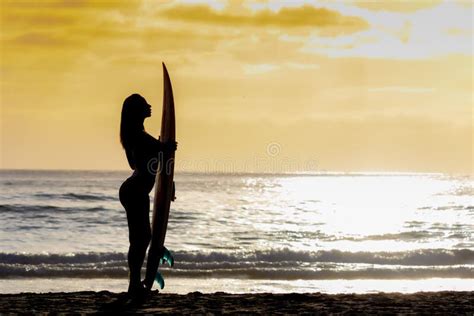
x: 135, y: 289
x: 147, y: 284
x: 138, y: 293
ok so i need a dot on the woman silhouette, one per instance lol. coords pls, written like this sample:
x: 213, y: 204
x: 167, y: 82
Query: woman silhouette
x: 142, y: 152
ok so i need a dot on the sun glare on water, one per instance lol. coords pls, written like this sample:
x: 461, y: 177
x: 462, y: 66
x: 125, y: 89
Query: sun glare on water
x: 358, y: 212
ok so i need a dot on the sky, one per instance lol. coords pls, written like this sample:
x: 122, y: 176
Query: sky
x: 260, y: 86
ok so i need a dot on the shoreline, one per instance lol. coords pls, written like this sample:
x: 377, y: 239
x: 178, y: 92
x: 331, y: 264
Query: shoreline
x: 441, y: 303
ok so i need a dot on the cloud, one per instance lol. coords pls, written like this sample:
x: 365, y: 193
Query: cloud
x: 304, y: 16
x: 38, y: 39
x: 436, y: 31
x: 402, y: 89
x: 255, y: 69
x: 303, y: 66
x: 397, y: 6
x: 36, y: 20
x: 259, y: 68
x: 44, y: 4
x: 66, y: 4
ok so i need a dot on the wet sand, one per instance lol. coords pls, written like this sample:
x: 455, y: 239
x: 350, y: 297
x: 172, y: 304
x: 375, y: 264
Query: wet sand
x: 429, y: 303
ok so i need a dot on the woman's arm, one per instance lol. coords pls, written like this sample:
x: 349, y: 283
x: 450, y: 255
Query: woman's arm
x: 153, y: 143
x: 159, y: 146
x: 130, y: 159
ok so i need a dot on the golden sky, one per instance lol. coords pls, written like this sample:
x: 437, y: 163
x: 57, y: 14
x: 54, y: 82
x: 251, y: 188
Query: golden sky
x: 259, y: 85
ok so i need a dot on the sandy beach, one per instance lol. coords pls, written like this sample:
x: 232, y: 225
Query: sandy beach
x: 432, y: 303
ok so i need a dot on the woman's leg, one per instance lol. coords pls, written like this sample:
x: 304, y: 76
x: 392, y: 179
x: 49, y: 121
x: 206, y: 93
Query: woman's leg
x: 137, y: 207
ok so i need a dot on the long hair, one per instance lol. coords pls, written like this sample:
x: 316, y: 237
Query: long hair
x: 131, y: 124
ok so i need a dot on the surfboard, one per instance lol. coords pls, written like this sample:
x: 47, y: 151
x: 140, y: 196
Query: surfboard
x: 164, y: 190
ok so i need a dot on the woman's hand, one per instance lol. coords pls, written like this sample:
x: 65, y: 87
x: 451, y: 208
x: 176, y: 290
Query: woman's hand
x: 170, y: 146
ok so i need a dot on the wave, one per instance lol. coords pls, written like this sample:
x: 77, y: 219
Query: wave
x: 68, y: 258
x: 282, y: 264
x: 403, y: 236
x: 20, y: 208
x: 76, y: 196
x: 448, y: 208
x: 7, y: 272
x: 423, y: 257
x: 463, y: 190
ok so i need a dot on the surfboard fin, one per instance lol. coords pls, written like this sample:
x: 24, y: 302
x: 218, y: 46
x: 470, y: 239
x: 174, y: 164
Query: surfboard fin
x: 167, y: 257
x: 160, y: 280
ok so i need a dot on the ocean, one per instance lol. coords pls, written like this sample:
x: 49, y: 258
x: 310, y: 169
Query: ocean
x: 244, y: 233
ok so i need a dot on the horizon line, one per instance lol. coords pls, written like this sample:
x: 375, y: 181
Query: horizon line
x: 308, y: 173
